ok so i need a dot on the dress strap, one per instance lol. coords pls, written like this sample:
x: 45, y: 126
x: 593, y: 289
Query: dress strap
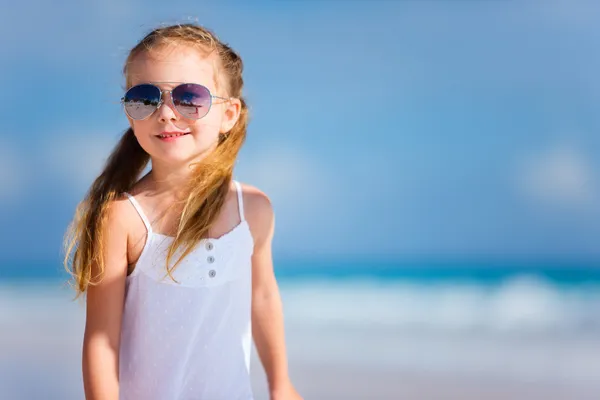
x: 139, y: 210
x: 240, y: 199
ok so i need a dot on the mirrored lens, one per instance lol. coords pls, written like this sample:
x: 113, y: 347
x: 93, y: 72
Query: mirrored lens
x: 191, y: 100
x: 141, y: 101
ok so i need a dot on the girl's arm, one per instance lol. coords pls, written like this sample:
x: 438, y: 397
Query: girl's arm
x: 267, y: 310
x: 104, y: 308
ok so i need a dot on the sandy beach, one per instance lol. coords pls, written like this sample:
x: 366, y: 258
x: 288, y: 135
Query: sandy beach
x: 352, y: 383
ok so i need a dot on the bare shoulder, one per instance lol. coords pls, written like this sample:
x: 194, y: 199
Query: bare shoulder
x: 256, y: 202
x: 115, y: 234
x: 259, y: 212
x: 120, y: 214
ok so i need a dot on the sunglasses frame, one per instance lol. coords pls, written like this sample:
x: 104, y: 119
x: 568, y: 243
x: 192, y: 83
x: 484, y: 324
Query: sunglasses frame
x: 161, y: 99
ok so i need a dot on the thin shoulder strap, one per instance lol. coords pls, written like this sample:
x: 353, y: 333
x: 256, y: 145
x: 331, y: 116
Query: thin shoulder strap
x: 240, y: 199
x: 139, y: 210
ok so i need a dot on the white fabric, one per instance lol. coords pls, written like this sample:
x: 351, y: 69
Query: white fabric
x: 191, y: 339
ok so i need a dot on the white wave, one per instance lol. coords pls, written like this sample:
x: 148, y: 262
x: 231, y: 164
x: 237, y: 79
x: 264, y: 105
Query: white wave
x: 526, y: 329
x: 523, y: 305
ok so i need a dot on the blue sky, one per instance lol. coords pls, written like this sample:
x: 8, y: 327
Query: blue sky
x: 379, y: 128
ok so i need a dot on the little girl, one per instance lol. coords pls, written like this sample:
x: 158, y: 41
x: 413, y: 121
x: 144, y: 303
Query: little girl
x: 177, y: 264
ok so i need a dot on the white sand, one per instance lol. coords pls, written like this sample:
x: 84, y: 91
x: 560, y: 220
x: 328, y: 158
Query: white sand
x: 349, y: 383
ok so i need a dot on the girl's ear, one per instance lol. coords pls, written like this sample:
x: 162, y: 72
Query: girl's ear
x: 231, y: 113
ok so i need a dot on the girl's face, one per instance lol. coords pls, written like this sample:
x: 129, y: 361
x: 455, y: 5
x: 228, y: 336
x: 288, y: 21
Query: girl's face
x: 176, y: 65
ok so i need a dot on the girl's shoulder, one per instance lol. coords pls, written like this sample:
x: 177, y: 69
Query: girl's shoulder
x: 256, y: 202
x: 258, y: 211
x: 121, y: 215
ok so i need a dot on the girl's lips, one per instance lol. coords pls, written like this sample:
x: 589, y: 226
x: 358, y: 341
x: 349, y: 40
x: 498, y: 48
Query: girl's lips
x: 170, y: 136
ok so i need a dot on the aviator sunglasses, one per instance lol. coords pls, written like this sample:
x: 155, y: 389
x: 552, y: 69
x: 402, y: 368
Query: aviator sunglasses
x: 191, y: 100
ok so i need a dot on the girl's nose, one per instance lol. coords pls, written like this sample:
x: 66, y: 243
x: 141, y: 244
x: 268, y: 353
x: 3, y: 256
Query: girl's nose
x: 166, y: 111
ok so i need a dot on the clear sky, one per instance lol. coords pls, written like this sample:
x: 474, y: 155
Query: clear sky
x: 379, y: 128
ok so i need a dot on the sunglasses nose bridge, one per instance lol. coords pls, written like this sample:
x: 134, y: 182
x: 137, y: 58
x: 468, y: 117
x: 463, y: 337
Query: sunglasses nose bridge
x: 163, y: 100
x: 163, y: 97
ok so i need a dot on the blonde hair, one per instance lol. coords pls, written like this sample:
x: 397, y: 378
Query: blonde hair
x: 208, y: 186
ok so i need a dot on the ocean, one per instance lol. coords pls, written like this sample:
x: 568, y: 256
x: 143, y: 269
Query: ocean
x: 529, y: 330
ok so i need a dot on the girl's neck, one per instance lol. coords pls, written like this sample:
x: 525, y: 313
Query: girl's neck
x: 169, y: 179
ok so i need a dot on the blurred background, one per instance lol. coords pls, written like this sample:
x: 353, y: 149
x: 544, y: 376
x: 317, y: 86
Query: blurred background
x: 433, y: 167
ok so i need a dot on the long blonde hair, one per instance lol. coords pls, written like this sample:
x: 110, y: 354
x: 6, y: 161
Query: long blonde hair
x: 207, y: 189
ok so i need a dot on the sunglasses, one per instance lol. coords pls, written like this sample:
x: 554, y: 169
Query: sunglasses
x: 191, y: 100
